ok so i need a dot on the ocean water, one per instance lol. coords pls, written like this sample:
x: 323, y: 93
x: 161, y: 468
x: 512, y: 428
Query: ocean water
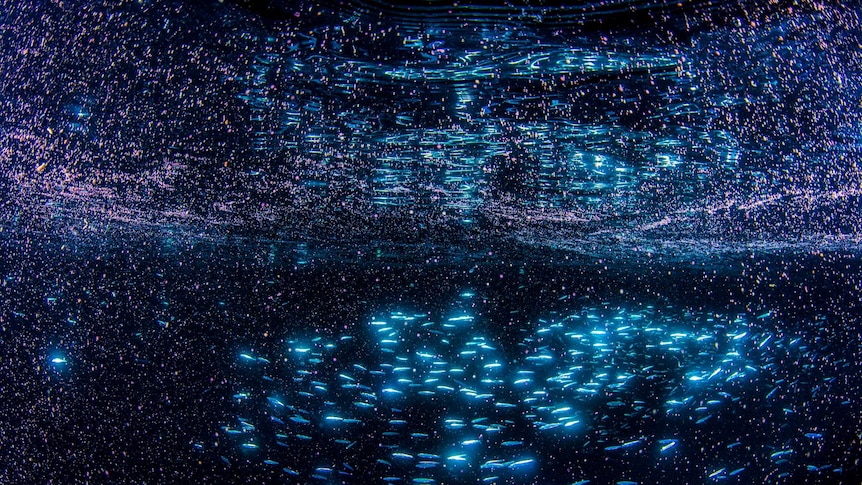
x: 437, y: 242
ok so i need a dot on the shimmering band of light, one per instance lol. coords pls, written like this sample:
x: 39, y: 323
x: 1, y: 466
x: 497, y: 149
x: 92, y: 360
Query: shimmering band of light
x: 335, y: 125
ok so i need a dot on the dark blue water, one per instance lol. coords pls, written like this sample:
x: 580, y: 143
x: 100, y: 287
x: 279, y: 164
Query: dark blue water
x: 277, y: 242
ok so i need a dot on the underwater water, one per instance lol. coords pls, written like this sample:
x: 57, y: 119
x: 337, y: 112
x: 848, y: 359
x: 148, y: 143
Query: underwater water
x: 438, y: 242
